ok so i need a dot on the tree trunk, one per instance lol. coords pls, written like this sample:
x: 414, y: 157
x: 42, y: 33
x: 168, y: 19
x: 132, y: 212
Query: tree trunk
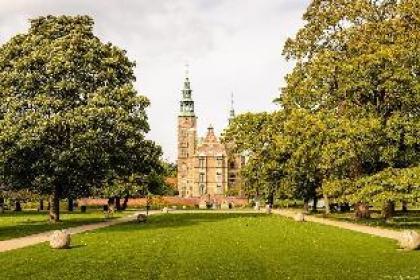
x: 388, y: 209
x: 327, y: 204
x: 1, y: 205
x: 361, y: 210
x: 111, y: 202
x: 125, y: 203
x: 54, y: 207
x: 270, y: 199
x: 18, y: 207
x: 404, y: 206
x: 306, y: 205
x: 315, y: 201
x: 345, y: 207
x: 118, y: 203
x: 41, y: 205
x: 70, y: 206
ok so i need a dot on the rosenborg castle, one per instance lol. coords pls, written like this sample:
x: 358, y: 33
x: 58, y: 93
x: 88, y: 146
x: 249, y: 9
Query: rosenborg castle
x: 206, y: 167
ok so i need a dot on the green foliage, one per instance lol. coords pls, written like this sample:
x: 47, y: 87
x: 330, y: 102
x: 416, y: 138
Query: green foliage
x: 350, y: 110
x: 70, y: 118
x: 256, y: 135
x: 390, y: 184
x: 356, y: 90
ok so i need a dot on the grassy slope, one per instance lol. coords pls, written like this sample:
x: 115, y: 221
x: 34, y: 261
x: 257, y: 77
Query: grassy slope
x: 17, y: 224
x: 215, y: 246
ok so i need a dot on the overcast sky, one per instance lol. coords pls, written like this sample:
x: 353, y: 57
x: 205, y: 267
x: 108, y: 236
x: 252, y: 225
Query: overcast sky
x: 230, y: 45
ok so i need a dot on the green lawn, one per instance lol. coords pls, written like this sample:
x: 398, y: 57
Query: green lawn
x: 18, y: 224
x: 400, y: 221
x: 216, y: 246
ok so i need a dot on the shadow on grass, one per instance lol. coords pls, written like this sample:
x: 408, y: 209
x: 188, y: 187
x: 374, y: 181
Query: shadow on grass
x: 77, y: 246
x: 156, y: 222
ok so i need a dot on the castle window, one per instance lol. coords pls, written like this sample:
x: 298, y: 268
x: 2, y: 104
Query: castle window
x: 184, y: 153
x: 201, y: 162
x: 232, y: 165
x: 219, y: 178
x: 201, y: 177
x: 219, y: 162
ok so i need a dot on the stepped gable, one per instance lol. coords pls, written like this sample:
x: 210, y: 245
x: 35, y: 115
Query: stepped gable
x: 211, y: 145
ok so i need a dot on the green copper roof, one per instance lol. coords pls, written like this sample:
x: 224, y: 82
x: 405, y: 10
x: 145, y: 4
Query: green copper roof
x: 186, y: 103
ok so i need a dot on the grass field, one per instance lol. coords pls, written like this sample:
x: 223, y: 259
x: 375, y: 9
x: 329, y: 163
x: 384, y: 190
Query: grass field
x: 215, y: 246
x: 18, y: 224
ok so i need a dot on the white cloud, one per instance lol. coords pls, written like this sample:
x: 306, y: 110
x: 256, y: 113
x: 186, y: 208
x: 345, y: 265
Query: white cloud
x: 231, y: 45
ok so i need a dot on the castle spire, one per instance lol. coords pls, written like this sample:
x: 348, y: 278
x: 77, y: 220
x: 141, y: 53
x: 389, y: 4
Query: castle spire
x: 232, y: 109
x: 186, y: 103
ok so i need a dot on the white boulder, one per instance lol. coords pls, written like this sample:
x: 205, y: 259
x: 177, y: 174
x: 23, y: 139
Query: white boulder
x: 165, y: 210
x: 268, y: 209
x: 410, y: 240
x: 60, y: 239
x: 299, y: 217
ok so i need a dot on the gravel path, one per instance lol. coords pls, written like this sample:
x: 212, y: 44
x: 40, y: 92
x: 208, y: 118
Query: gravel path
x: 17, y: 243
x: 34, y: 239
x: 381, y: 232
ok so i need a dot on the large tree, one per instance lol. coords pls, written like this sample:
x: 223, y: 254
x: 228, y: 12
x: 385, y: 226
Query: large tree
x: 358, y: 63
x: 260, y: 137
x: 70, y: 117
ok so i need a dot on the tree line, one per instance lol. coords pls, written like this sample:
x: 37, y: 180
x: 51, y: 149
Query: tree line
x: 348, y: 126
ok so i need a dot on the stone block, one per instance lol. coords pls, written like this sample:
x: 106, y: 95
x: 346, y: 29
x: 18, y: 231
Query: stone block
x: 299, y: 217
x: 202, y: 205
x: 60, y: 239
x: 410, y: 240
x: 224, y: 206
x: 257, y: 206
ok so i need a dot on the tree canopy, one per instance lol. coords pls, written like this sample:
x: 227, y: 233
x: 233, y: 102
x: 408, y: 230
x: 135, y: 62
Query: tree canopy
x: 70, y: 117
x: 350, y: 105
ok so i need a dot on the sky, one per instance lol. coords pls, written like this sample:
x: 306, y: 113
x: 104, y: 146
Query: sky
x: 229, y: 45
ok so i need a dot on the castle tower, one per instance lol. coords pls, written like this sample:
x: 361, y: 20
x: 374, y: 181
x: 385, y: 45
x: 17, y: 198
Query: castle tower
x: 187, y: 140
